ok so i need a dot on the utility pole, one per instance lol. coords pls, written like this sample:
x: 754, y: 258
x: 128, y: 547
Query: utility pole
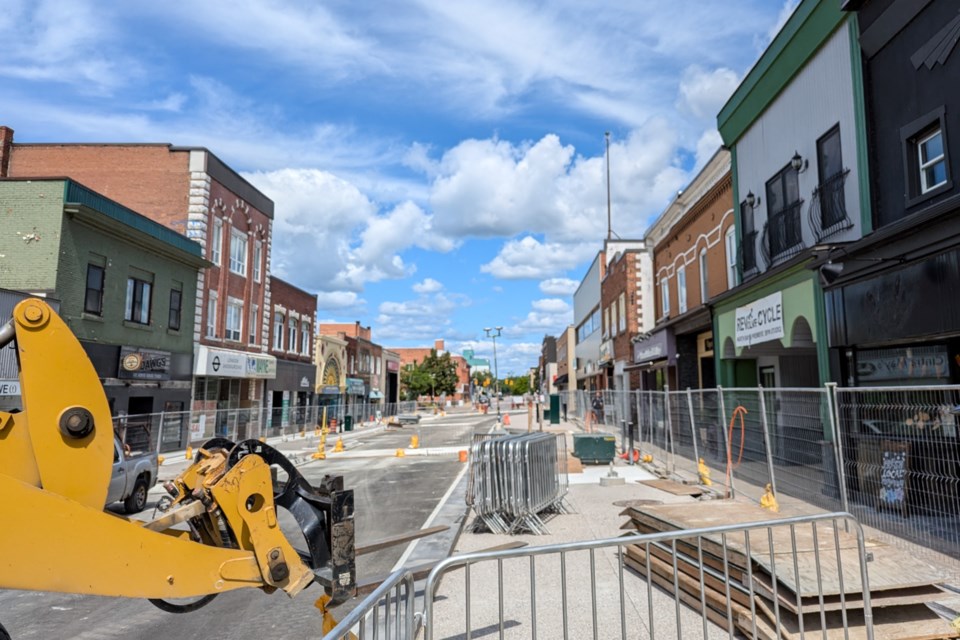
x: 496, y: 375
x: 609, y: 218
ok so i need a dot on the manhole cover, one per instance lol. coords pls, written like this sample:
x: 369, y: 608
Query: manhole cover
x: 635, y: 503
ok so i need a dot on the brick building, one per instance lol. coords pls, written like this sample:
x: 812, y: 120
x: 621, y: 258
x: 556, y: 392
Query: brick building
x: 622, y: 295
x: 364, y: 380
x: 413, y: 355
x: 694, y: 260
x: 191, y: 191
x: 126, y: 287
x: 293, y: 319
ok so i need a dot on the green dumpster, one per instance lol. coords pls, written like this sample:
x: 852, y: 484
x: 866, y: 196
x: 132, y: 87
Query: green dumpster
x: 348, y: 423
x: 554, y: 408
x: 594, y: 448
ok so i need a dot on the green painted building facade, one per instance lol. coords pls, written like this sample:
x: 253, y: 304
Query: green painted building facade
x: 126, y: 285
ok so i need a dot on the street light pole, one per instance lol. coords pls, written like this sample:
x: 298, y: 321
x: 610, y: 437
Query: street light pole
x: 496, y: 375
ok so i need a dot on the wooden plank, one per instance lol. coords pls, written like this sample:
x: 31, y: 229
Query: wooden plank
x: 675, y: 488
x: 888, y: 598
x: 890, y: 568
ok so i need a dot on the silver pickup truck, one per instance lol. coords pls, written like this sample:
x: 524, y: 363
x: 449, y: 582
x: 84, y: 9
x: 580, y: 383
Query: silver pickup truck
x: 131, y: 478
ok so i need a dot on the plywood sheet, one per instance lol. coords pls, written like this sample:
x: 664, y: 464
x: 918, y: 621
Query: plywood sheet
x: 676, y: 488
x: 816, y: 556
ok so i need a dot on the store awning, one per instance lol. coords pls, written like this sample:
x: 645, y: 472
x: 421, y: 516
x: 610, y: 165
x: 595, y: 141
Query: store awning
x: 562, y: 379
x: 376, y: 395
x: 660, y: 345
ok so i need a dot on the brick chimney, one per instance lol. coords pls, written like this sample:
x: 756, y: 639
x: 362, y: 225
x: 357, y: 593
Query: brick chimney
x: 438, y: 345
x: 6, y: 148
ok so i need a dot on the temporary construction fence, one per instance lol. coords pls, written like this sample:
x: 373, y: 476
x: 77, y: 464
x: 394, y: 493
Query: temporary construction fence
x: 514, y: 479
x: 176, y: 430
x: 600, y: 589
x: 889, y: 455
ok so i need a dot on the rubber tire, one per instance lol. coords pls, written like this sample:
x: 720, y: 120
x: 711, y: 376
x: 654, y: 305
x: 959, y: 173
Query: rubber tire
x: 3, y: 633
x: 137, y: 500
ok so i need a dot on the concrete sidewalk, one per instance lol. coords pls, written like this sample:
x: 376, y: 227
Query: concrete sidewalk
x: 593, y: 516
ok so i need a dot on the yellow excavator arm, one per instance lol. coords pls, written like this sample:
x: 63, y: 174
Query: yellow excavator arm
x: 220, y: 534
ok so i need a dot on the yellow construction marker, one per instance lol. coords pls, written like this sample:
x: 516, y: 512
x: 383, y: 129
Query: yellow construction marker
x: 321, y: 453
x: 160, y: 459
x: 303, y: 432
x: 704, y: 473
x: 316, y: 432
x: 189, y: 453
x: 262, y: 439
x: 769, y: 501
x: 338, y: 448
x: 414, y: 442
x: 401, y: 453
x: 648, y: 458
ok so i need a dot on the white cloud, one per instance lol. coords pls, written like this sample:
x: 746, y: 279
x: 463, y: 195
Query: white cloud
x: 559, y: 286
x: 429, y: 285
x: 551, y: 305
x: 789, y: 6
x: 423, y: 319
x: 344, y: 303
x: 530, y: 258
x: 703, y: 93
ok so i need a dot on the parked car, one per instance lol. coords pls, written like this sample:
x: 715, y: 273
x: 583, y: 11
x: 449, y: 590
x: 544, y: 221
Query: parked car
x: 132, y: 477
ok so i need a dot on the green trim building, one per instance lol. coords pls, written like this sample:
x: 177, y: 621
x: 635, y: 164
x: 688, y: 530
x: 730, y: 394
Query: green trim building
x: 796, y: 130
x: 126, y: 285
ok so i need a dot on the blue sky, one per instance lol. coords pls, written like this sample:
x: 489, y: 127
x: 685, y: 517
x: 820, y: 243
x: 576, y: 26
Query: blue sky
x: 437, y: 166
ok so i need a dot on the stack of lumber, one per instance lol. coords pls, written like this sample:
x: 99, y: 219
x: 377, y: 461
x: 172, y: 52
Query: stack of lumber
x: 758, y: 586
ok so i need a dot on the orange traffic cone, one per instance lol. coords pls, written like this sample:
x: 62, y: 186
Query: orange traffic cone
x: 506, y: 419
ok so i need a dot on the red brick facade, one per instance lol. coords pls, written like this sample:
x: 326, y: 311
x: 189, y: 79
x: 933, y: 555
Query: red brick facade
x: 411, y: 355
x: 291, y: 304
x: 620, y: 308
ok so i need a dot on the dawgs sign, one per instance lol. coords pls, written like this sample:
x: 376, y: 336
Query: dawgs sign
x: 760, y: 321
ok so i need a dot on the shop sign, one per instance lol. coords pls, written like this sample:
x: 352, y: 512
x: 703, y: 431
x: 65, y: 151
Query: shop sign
x: 393, y: 365
x: 330, y: 389
x: 144, y: 364
x: 304, y: 383
x: 355, y: 387
x: 657, y: 346
x: 9, y: 387
x: 759, y: 321
x: 917, y: 363
x: 224, y: 363
x: 606, y: 351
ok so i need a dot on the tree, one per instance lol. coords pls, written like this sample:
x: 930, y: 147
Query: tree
x: 517, y: 385
x: 434, y: 376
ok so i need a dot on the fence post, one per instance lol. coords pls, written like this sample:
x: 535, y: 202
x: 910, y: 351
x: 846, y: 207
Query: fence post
x: 726, y: 440
x: 639, y: 421
x: 833, y: 408
x: 669, y: 432
x: 159, y: 432
x: 693, y: 429
x: 766, y: 439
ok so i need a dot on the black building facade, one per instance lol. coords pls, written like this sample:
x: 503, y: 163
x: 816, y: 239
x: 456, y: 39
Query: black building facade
x: 891, y: 296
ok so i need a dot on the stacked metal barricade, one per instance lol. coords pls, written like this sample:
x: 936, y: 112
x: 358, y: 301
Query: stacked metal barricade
x: 516, y: 479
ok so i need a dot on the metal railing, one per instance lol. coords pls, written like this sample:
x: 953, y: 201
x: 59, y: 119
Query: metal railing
x: 176, y: 430
x: 514, y: 479
x: 507, y: 591
x: 896, y: 464
x: 388, y: 612
x: 784, y: 236
x: 828, y: 207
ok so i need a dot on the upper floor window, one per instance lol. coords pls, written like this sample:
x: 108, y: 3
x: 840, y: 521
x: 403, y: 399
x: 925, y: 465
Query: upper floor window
x: 253, y: 327
x: 783, y: 212
x: 176, y: 307
x: 606, y: 323
x: 932, y: 161
x: 623, y: 312
x: 305, y: 338
x: 292, y: 345
x: 730, y: 241
x: 748, y: 244
x: 212, y: 315
x: 278, y: 332
x: 682, y: 289
x: 93, y: 299
x: 138, y: 301
x: 704, y: 294
x: 234, y: 318
x: 665, y: 296
x: 238, y: 252
x: 216, y: 241
x: 257, y: 259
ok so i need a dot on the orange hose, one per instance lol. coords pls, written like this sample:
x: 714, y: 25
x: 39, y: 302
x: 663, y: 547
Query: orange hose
x: 740, y: 411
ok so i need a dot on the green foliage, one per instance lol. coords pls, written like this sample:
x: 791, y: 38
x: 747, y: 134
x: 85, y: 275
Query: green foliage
x: 516, y: 386
x: 436, y: 375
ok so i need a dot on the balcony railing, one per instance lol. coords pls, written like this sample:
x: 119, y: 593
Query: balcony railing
x: 828, y: 208
x: 783, y: 237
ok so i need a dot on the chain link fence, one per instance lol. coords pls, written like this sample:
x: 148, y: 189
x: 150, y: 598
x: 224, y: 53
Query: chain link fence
x: 175, y: 431
x: 889, y: 455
